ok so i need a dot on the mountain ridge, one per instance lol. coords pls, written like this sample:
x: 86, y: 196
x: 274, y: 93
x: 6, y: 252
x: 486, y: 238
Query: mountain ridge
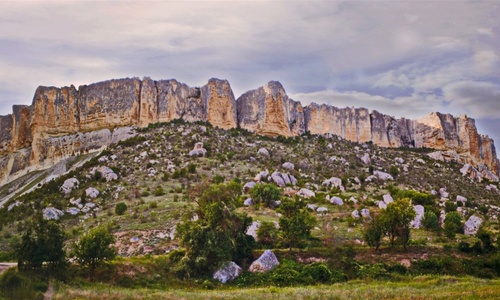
x: 89, y: 115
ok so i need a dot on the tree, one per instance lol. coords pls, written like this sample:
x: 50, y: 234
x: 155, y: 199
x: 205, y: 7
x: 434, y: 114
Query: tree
x: 218, y: 234
x: 430, y: 220
x: 295, y: 223
x: 267, y: 233
x: 266, y: 194
x: 452, y: 224
x: 94, y: 248
x: 41, y: 244
x: 120, y: 208
x: 396, y: 220
x: 373, y: 233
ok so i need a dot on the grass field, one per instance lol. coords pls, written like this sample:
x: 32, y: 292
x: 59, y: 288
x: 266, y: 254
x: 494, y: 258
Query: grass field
x: 423, y: 287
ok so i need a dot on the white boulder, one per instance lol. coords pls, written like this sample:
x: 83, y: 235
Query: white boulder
x: 52, y: 213
x: 69, y: 185
x: 266, y: 262
x: 198, y: 150
x: 387, y: 198
x: 365, y: 212
x: 92, y: 192
x: 382, y: 175
x: 305, y: 193
x: 263, y: 151
x: 355, y: 214
x: 472, y: 225
x: 461, y: 199
x: 419, y: 214
x: 366, y: 159
x: 228, y: 272
x: 337, y: 200
x: 288, y: 166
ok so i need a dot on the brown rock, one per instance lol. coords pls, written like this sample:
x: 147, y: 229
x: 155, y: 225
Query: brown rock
x: 220, y: 103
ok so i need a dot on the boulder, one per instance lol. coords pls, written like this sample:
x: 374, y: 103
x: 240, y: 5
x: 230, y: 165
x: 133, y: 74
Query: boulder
x: 399, y: 160
x: 276, y: 177
x: 353, y: 200
x: 461, y: 199
x: 387, y: 198
x: 51, y: 213
x: 286, y: 178
x: 92, y: 192
x: 337, y: 201
x: 248, y: 202
x: 252, y: 229
x: 365, y: 212
x: 106, y: 173
x: 334, y: 182
x: 265, y: 263
x: 472, y: 225
x: 288, y: 166
x: 69, y: 185
x: 419, y: 214
x: 312, y: 206
x: 198, y: 150
x: 248, y: 185
x: 263, y: 151
x: 366, y: 159
x: 444, y: 193
x: 261, y: 175
x: 228, y: 272
x: 382, y: 175
x: 321, y: 209
x: 355, y: 214
x: 382, y: 205
x: 305, y: 193
x: 293, y: 181
x: 73, y: 211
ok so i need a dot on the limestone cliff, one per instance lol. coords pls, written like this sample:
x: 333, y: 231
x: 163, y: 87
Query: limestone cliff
x: 65, y: 121
x: 268, y: 110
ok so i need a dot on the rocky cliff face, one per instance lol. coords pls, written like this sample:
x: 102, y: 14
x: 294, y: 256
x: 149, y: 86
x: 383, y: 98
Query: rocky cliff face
x: 66, y: 121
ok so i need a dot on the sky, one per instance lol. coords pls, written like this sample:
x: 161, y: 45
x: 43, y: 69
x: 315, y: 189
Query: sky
x: 402, y: 58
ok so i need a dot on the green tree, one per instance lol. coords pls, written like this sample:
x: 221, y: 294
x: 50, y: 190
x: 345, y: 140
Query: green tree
x: 41, y: 244
x: 295, y: 223
x: 430, y: 220
x: 266, y: 194
x: 267, y: 233
x: 218, y: 234
x: 373, y: 233
x: 94, y: 248
x: 120, y: 208
x: 452, y: 224
x: 396, y: 220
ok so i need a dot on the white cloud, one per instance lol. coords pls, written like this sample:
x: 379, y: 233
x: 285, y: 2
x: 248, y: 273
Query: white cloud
x: 478, y: 99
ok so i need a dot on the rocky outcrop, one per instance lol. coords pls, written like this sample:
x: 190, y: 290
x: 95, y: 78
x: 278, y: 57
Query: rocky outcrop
x: 66, y: 121
x: 268, y: 110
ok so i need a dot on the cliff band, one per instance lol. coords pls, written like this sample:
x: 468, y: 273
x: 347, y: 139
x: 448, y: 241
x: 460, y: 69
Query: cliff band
x: 62, y: 122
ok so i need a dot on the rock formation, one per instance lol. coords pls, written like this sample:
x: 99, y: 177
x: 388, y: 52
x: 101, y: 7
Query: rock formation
x: 66, y: 121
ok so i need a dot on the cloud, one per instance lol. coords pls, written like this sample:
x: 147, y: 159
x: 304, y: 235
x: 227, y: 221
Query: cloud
x: 478, y: 99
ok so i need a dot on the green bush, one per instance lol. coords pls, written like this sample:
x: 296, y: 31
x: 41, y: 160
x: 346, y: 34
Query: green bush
x: 13, y: 285
x: 120, y: 208
x: 318, y: 272
x: 159, y: 191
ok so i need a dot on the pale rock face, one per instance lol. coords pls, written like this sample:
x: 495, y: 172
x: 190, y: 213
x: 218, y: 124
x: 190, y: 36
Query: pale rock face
x: 278, y: 179
x: 472, y: 225
x: 220, y: 104
x: 265, y: 263
x: 268, y: 110
x: 228, y: 272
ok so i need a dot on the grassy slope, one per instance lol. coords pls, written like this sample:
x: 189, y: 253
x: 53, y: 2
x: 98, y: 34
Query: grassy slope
x: 425, y: 287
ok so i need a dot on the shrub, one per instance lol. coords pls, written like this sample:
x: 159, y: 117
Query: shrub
x: 430, y: 220
x: 267, y: 234
x: 318, y: 272
x: 192, y: 168
x: 159, y: 191
x: 120, y: 208
x: 452, y: 224
x: 218, y: 179
x: 266, y: 194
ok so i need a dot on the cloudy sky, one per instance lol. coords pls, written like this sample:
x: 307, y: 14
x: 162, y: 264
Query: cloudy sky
x: 403, y: 58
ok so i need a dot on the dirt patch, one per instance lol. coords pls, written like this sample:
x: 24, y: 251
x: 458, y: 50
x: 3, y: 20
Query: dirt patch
x: 5, y: 266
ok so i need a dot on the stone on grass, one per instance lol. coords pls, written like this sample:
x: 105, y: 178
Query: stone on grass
x: 248, y: 185
x: 248, y: 202
x: 92, y: 192
x: 419, y: 214
x: 305, y: 193
x: 472, y: 225
x: 382, y: 175
x: 365, y: 212
x: 252, y: 229
x: 263, y: 151
x: 265, y: 263
x: 461, y: 199
x: 337, y: 200
x: 69, y: 185
x: 52, y: 213
x: 198, y: 150
x: 288, y: 165
x: 388, y: 198
x: 355, y: 214
x: 228, y: 272
x: 334, y: 182
x: 321, y: 209
x: 366, y: 159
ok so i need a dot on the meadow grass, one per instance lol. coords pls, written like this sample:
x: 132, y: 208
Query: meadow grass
x: 422, y: 287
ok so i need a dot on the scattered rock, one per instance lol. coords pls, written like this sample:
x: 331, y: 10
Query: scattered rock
x: 334, y: 182
x: 337, y: 201
x: 228, y: 272
x: 69, y: 185
x: 134, y: 239
x: 252, y: 229
x: 366, y: 159
x: 382, y: 205
x: 420, y: 161
x: 52, y: 213
x: 248, y: 185
x: 365, y: 212
x: 321, y: 209
x: 305, y: 193
x: 263, y: 151
x: 106, y: 173
x: 261, y: 175
x: 387, y: 198
x: 198, y: 150
x: 312, y: 207
x: 266, y: 262
x: 248, y: 202
x: 419, y: 214
x: 461, y: 199
x: 355, y: 214
x: 399, y: 160
x: 73, y: 211
x: 444, y: 193
x: 288, y: 166
x: 276, y: 177
x: 472, y: 225
x: 382, y: 175
x: 92, y: 192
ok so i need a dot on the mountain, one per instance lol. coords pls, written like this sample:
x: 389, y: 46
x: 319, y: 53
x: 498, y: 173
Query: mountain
x: 63, y: 122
